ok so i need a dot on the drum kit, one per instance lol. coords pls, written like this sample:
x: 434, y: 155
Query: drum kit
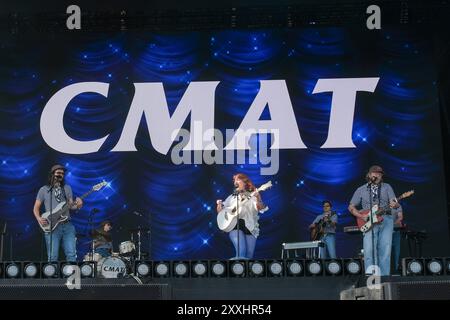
x: 119, y: 264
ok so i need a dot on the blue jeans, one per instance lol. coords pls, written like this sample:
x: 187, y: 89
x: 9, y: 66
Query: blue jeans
x: 247, y: 244
x: 66, y: 233
x: 382, y: 234
x: 329, y: 251
x: 396, y: 242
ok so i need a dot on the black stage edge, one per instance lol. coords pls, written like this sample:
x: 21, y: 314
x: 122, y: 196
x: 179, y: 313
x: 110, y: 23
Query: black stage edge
x: 301, y: 288
x: 402, y: 288
x: 90, y: 289
x: 295, y: 288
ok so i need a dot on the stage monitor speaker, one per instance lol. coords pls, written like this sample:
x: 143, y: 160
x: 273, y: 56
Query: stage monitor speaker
x: 90, y: 289
x: 405, y: 290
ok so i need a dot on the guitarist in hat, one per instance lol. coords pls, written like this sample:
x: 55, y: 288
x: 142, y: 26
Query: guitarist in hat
x: 325, y: 227
x: 53, y: 193
x: 377, y: 241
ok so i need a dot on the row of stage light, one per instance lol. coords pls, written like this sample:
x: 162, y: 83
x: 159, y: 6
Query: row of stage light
x: 280, y: 268
x: 16, y: 270
x: 248, y: 268
x: 425, y: 266
x: 194, y: 269
x: 221, y: 269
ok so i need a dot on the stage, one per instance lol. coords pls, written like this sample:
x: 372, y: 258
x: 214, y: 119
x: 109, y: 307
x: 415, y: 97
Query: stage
x: 308, y: 140
x: 302, y: 288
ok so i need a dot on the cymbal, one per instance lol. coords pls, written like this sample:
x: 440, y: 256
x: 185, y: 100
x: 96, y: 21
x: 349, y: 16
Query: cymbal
x: 139, y: 229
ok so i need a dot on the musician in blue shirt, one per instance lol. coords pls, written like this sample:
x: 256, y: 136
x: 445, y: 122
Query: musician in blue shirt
x: 52, y: 194
x: 329, y: 221
x: 377, y: 241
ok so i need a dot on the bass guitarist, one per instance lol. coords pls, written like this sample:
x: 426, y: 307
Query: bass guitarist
x: 377, y: 241
x: 324, y: 228
x: 51, y: 195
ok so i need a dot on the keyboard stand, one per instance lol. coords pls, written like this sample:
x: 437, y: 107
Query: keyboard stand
x: 311, y: 249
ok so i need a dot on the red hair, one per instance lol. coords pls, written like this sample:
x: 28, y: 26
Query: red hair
x: 249, y: 186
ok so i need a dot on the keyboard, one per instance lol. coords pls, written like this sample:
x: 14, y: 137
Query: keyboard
x: 302, y: 245
x: 352, y: 230
x: 355, y: 229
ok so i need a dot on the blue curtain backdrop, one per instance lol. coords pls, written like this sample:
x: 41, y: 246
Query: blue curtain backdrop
x: 397, y: 127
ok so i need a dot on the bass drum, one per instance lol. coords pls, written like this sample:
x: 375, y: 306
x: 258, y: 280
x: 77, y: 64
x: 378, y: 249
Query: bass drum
x: 111, y: 267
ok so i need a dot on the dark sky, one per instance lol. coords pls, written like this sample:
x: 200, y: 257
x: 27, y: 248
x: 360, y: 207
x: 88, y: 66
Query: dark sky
x: 56, y: 5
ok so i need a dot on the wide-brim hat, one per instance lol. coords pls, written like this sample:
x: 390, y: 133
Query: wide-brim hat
x: 376, y: 168
x: 57, y: 167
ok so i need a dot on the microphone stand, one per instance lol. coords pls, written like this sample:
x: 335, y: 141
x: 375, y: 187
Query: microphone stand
x: 236, y: 193
x: 2, y: 239
x: 91, y: 227
x: 51, y: 220
x: 149, y: 233
x: 139, y: 245
x: 11, y: 247
x: 139, y: 235
x: 371, y: 223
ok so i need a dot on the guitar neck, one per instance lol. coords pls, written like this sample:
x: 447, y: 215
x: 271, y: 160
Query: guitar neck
x: 257, y: 190
x: 86, y: 194
x: 386, y: 208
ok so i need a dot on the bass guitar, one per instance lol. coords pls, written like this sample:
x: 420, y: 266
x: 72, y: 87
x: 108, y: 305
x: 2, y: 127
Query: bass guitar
x: 60, y: 212
x: 365, y: 224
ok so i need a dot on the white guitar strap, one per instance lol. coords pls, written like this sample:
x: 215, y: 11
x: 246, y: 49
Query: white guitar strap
x: 57, y: 193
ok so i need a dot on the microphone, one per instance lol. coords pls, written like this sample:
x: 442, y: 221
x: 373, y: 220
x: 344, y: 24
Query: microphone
x: 52, y: 182
x: 372, y: 180
x: 57, y: 179
x: 95, y: 210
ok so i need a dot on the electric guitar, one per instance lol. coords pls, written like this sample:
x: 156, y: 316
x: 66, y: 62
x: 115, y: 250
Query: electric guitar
x: 60, y: 212
x: 227, y: 217
x: 364, y: 224
x: 319, y: 228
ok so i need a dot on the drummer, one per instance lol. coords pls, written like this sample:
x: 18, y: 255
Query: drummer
x: 103, y: 239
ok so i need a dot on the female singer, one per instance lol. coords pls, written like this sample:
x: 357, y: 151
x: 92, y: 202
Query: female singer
x: 244, y: 235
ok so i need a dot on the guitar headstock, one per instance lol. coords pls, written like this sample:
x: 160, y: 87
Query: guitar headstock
x: 406, y: 194
x: 265, y: 186
x: 99, y: 185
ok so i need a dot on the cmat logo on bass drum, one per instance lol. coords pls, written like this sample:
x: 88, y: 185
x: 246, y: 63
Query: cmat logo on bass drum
x: 111, y: 267
x: 114, y: 269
